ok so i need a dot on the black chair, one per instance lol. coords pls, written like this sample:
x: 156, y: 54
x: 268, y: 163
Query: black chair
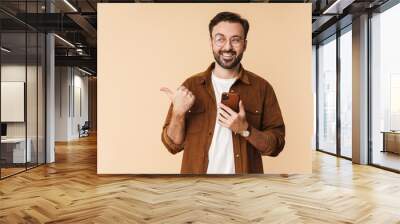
x: 84, y: 130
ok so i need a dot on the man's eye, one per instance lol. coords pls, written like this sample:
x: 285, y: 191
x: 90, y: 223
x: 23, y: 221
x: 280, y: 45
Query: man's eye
x: 236, y: 40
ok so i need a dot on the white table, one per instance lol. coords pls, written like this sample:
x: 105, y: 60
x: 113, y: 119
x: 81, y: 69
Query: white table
x: 19, y: 155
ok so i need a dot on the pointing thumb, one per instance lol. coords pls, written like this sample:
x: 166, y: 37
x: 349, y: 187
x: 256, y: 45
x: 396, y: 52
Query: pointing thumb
x: 167, y: 91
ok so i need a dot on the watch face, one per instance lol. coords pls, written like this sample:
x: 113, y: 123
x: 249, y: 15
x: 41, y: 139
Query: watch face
x: 245, y: 133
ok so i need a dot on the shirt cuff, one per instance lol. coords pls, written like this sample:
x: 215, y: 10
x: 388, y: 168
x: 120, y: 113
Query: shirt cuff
x: 171, y: 146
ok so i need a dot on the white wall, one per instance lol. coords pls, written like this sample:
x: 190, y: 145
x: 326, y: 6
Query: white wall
x: 62, y: 81
x: 71, y: 94
x: 16, y: 73
x: 81, y: 103
x: 33, y: 127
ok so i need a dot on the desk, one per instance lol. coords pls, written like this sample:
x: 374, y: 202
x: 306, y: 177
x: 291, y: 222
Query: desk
x: 13, y: 150
x: 391, y: 141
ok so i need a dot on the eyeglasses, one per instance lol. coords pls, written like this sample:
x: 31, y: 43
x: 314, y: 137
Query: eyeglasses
x: 220, y: 41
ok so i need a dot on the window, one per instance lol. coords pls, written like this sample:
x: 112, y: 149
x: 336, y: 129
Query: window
x: 327, y: 95
x: 385, y: 88
x: 22, y: 77
x: 346, y: 93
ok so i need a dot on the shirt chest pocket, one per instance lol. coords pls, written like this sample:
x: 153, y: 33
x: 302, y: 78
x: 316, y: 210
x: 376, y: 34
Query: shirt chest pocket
x: 253, y: 115
x: 195, y: 118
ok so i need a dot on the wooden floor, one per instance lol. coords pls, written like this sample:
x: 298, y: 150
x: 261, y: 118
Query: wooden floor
x: 5, y: 172
x: 69, y: 191
x: 9, y: 171
x: 388, y: 159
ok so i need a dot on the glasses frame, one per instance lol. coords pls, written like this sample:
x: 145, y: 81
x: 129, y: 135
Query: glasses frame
x: 234, y: 41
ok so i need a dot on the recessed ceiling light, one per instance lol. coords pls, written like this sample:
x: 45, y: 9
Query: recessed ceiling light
x: 337, y: 7
x: 64, y: 40
x: 70, y: 5
x: 5, y: 50
x: 84, y: 71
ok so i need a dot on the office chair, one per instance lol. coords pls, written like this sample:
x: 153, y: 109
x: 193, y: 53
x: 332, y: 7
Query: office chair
x: 84, y: 130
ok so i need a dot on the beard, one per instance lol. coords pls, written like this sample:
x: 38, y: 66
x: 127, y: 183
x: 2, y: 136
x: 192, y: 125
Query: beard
x: 227, y: 59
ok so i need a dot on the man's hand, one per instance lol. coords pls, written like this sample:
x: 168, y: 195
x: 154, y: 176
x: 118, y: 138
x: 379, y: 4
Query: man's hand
x: 182, y: 99
x: 228, y: 118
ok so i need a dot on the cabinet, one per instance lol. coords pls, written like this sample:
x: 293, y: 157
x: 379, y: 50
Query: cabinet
x: 391, y: 141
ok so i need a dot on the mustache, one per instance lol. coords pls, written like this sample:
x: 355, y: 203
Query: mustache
x: 231, y: 51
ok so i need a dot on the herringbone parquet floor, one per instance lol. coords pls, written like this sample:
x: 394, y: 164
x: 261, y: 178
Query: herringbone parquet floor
x: 69, y: 191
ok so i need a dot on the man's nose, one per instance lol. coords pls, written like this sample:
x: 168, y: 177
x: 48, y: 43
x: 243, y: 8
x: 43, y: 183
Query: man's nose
x: 227, y: 46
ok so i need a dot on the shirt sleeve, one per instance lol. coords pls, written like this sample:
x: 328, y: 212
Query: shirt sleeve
x: 166, y: 140
x: 270, y: 139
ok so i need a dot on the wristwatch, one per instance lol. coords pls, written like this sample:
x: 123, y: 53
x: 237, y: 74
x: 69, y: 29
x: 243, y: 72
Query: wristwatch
x: 246, y: 133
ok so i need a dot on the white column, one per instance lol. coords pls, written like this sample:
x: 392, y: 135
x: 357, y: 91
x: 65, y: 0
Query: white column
x: 50, y: 110
x: 360, y: 90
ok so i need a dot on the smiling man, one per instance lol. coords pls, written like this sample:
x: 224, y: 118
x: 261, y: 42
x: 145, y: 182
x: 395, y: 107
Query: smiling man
x: 214, y: 138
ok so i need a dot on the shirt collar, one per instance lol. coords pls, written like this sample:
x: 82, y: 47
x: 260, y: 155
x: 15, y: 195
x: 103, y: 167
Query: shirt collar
x: 243, y: 76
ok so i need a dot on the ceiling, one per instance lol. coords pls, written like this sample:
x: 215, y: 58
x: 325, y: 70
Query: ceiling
x: 76, y: 22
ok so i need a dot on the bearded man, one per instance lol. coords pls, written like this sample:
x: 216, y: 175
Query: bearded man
x: 214, y: 138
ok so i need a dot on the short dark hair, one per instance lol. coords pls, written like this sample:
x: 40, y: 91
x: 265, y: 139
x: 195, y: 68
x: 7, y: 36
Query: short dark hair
x: 229, y: 17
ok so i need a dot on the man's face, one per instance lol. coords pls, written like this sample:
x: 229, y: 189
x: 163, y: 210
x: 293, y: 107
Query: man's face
x: 228, y: 44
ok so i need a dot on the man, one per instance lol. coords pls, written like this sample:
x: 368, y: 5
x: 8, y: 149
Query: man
x: 216, y: 139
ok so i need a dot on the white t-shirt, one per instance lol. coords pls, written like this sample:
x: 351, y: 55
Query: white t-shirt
x: 220, y: 154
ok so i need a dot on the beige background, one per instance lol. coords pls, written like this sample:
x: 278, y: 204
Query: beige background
x: 142, y: 47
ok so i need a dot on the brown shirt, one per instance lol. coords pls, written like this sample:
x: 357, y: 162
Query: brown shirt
x: 262, y: 113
